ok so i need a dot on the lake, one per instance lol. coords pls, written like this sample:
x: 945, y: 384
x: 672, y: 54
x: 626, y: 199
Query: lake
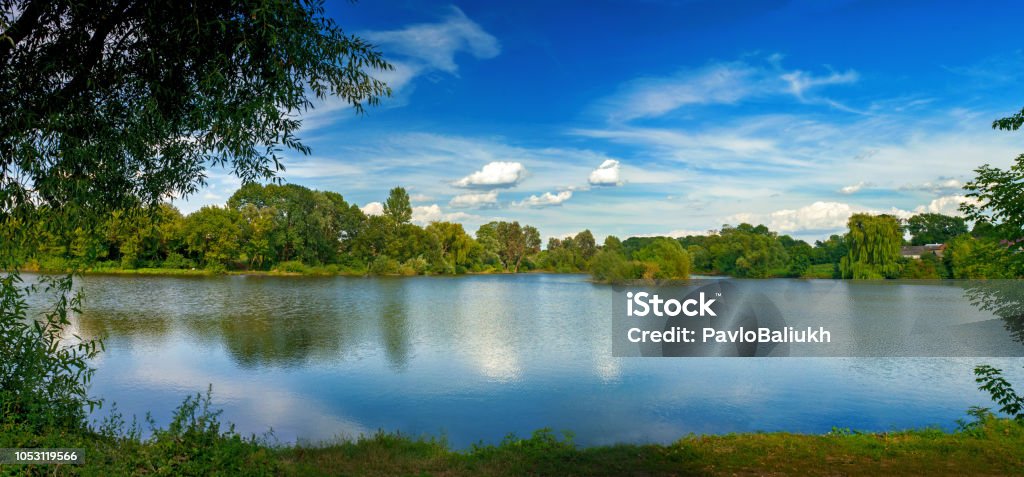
x: 474, y: 358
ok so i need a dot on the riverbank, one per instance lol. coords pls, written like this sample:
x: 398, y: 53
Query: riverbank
x: 819, y: 272
x: 990, y: 447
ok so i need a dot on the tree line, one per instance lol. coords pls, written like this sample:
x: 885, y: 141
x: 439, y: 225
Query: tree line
x: 291, y: 228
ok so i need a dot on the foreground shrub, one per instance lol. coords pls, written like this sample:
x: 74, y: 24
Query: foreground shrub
x: 44, y: 372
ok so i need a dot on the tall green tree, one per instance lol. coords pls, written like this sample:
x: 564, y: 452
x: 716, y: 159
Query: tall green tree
x: 873, y: 243
x: 398, y: 206
x: 934, y: 228
x: 509, y: 242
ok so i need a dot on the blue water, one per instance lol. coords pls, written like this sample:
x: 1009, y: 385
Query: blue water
x: 475, y: 358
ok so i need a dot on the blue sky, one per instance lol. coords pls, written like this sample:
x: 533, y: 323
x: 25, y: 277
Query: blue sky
x: 669, y: 118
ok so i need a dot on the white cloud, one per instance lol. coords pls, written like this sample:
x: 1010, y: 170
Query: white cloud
x: 546, y: 199
x: 832, y: 216
x: 425, y: 214
x: 413, y: 51
x: 373, y: 208
x: 714, y: 84
x: 475, y: 200
x: 720, y: 83
x: 319, y: 168
x: 937, y: 186
x: 494, y: 174
x: 704, y: 147
x: 852, y: 189
x: 420, y: 197
x: 608, y: 173
x: 817, y: 216
x: 434, y: 45
x: 678, y: 233
x: 800, y: 82
x: 949, y: 205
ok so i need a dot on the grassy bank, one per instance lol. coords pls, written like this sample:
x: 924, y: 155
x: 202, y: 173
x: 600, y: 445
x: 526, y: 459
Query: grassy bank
x: 989, y: 447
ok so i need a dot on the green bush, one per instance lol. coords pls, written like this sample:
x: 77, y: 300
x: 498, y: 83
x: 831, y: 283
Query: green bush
x: 43, y: 381
x: 195, y: 444
x: 216, y: 267
x: 176, y: 260
x: 383, y: 265
x: 415, y: 266
x: 292, y: 266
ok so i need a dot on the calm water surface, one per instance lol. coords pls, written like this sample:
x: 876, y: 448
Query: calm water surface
x: 475, y: 358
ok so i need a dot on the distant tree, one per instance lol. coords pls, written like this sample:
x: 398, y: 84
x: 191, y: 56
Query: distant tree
x: 664, y: 258
x: 829, y: 251
x: 798, y: 264
x: 454, y: 245
x: 532, y: 237
x: 490, y: 245
x: 509, y: 242
x: 934, y: 228
x: 612, y: 267
x: 612, y: 244
x: 586, y: 244
x: 398, y: 206
x: 373, y: 237
x: 212, y: 236
x: 747, y: 251
x: 258, y: 232
x: 873, y: 247
x: 984, y: 229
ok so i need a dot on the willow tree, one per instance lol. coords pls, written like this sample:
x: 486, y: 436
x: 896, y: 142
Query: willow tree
x: 873, y: 243
x: 117, y: 105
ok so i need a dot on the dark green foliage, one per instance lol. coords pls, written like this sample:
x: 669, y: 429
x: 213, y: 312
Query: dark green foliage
x: 934, y: 228
x: 572, y: 254
x: 991, y: 380
x: 829, y: 251
x: 744, y: 251
x: 110, y: 103
x: 662, y: 258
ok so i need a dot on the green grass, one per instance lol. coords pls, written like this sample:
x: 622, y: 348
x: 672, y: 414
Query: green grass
x: 821, y: 270
x: 991, y: 447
